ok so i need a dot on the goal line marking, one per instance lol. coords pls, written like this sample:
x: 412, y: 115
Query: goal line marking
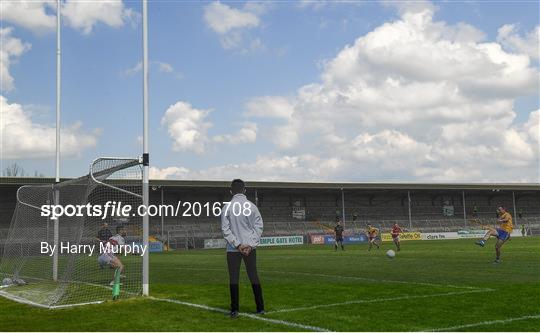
x: 483, y: 323
x: 21, y: 299
x: 375, y: 300
x: 26, y: 301
x: 248, y: 315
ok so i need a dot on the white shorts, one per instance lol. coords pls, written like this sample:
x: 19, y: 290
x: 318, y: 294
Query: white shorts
x: 105, y: 259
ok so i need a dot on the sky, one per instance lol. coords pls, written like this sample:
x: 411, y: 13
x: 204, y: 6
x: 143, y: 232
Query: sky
x: 345, y: 91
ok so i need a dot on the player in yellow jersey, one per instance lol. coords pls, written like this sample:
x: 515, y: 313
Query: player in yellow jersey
x: 502, y: 232
x: 373, y: 237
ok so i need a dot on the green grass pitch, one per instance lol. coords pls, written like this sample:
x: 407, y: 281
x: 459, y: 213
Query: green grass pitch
x: 430, y: 285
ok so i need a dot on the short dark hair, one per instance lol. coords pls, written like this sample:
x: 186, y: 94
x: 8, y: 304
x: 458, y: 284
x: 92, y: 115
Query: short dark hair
x: 119, y: 228
x: 238, y: 186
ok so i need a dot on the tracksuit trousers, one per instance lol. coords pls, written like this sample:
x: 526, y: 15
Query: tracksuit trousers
x: 234, y: 260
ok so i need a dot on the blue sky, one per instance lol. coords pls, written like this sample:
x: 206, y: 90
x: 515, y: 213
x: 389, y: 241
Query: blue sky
x: 215, y: 65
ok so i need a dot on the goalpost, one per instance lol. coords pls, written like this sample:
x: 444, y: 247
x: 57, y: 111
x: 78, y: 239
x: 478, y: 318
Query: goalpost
x: 145, y: 156
x: 79, y: 277
x: 73, y: 279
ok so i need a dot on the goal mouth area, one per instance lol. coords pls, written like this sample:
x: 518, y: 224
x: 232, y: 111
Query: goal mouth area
x: 42, y: 293
x: 70, y: 279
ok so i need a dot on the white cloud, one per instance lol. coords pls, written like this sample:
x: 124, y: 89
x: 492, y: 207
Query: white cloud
x: 169, y: 173
x: 410, y: 7
x: 162, y: 67
x: 246, y: 134
x: 32, y: 14
x: 258, y: 7
x: 12, y: 48
x: 413, y: 99
x: 265, y: 168
x: 40, y: 15
x: 285, y: 136
x: 222, y: 18
x: 133, y: 70
x: 21, y: 138
x: 84, y: 15
x: 231, y: 24
x: 187, y: 127
x: 529, y: 44
x: 323, y: 4
x: 270, y: 107
x: 532, y: 126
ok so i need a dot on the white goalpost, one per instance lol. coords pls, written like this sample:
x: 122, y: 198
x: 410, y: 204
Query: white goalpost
x: 146, y: 156
x: 57, y: 162
x: 77, y: 278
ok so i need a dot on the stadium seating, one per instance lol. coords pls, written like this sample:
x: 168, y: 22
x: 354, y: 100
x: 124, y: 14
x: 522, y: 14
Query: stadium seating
x: 379, y: 207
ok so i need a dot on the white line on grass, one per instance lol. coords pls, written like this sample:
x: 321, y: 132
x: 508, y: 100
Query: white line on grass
x: 345, y: 277
x: 249, y: 315
x: 380, y: 280
x: 375, y: 300
x: 21, y: 300
x: 483, y: 323
x: 73, y: 305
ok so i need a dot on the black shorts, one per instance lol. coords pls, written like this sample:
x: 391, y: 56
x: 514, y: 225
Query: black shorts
x: 339, y: 239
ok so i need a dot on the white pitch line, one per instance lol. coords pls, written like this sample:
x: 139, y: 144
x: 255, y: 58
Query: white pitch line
x: 381, y: 280
x: 483, y: 323
x: 73, y: 305
x: 347, y: 277
x: 249, y: 315
x: 375, y: 300
x: 22, y: 300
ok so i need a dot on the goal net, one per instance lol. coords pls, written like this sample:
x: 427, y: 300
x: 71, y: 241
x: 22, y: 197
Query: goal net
x: 34, y: 276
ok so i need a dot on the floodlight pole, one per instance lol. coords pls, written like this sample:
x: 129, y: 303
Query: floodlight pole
x: 256, y: 198
x: 162, y: 215
x: 464, y: 209
x: 409, y: 204
x: 146, y: 156
x: 57, y: 173
x: 514, y: 204
x: 343, y: 207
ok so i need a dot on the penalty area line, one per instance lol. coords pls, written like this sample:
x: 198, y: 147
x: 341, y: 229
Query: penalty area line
x: 483, y: 323
x: 360, y: 301
x: 248, y: 315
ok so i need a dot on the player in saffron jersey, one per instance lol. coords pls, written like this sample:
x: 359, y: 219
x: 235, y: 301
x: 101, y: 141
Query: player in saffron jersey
x: 373, y: 237
x: 502, y: 232
x: 396, y: 230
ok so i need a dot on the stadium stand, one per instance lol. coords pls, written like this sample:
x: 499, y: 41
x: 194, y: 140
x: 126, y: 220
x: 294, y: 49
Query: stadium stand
x: 294, y: 208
